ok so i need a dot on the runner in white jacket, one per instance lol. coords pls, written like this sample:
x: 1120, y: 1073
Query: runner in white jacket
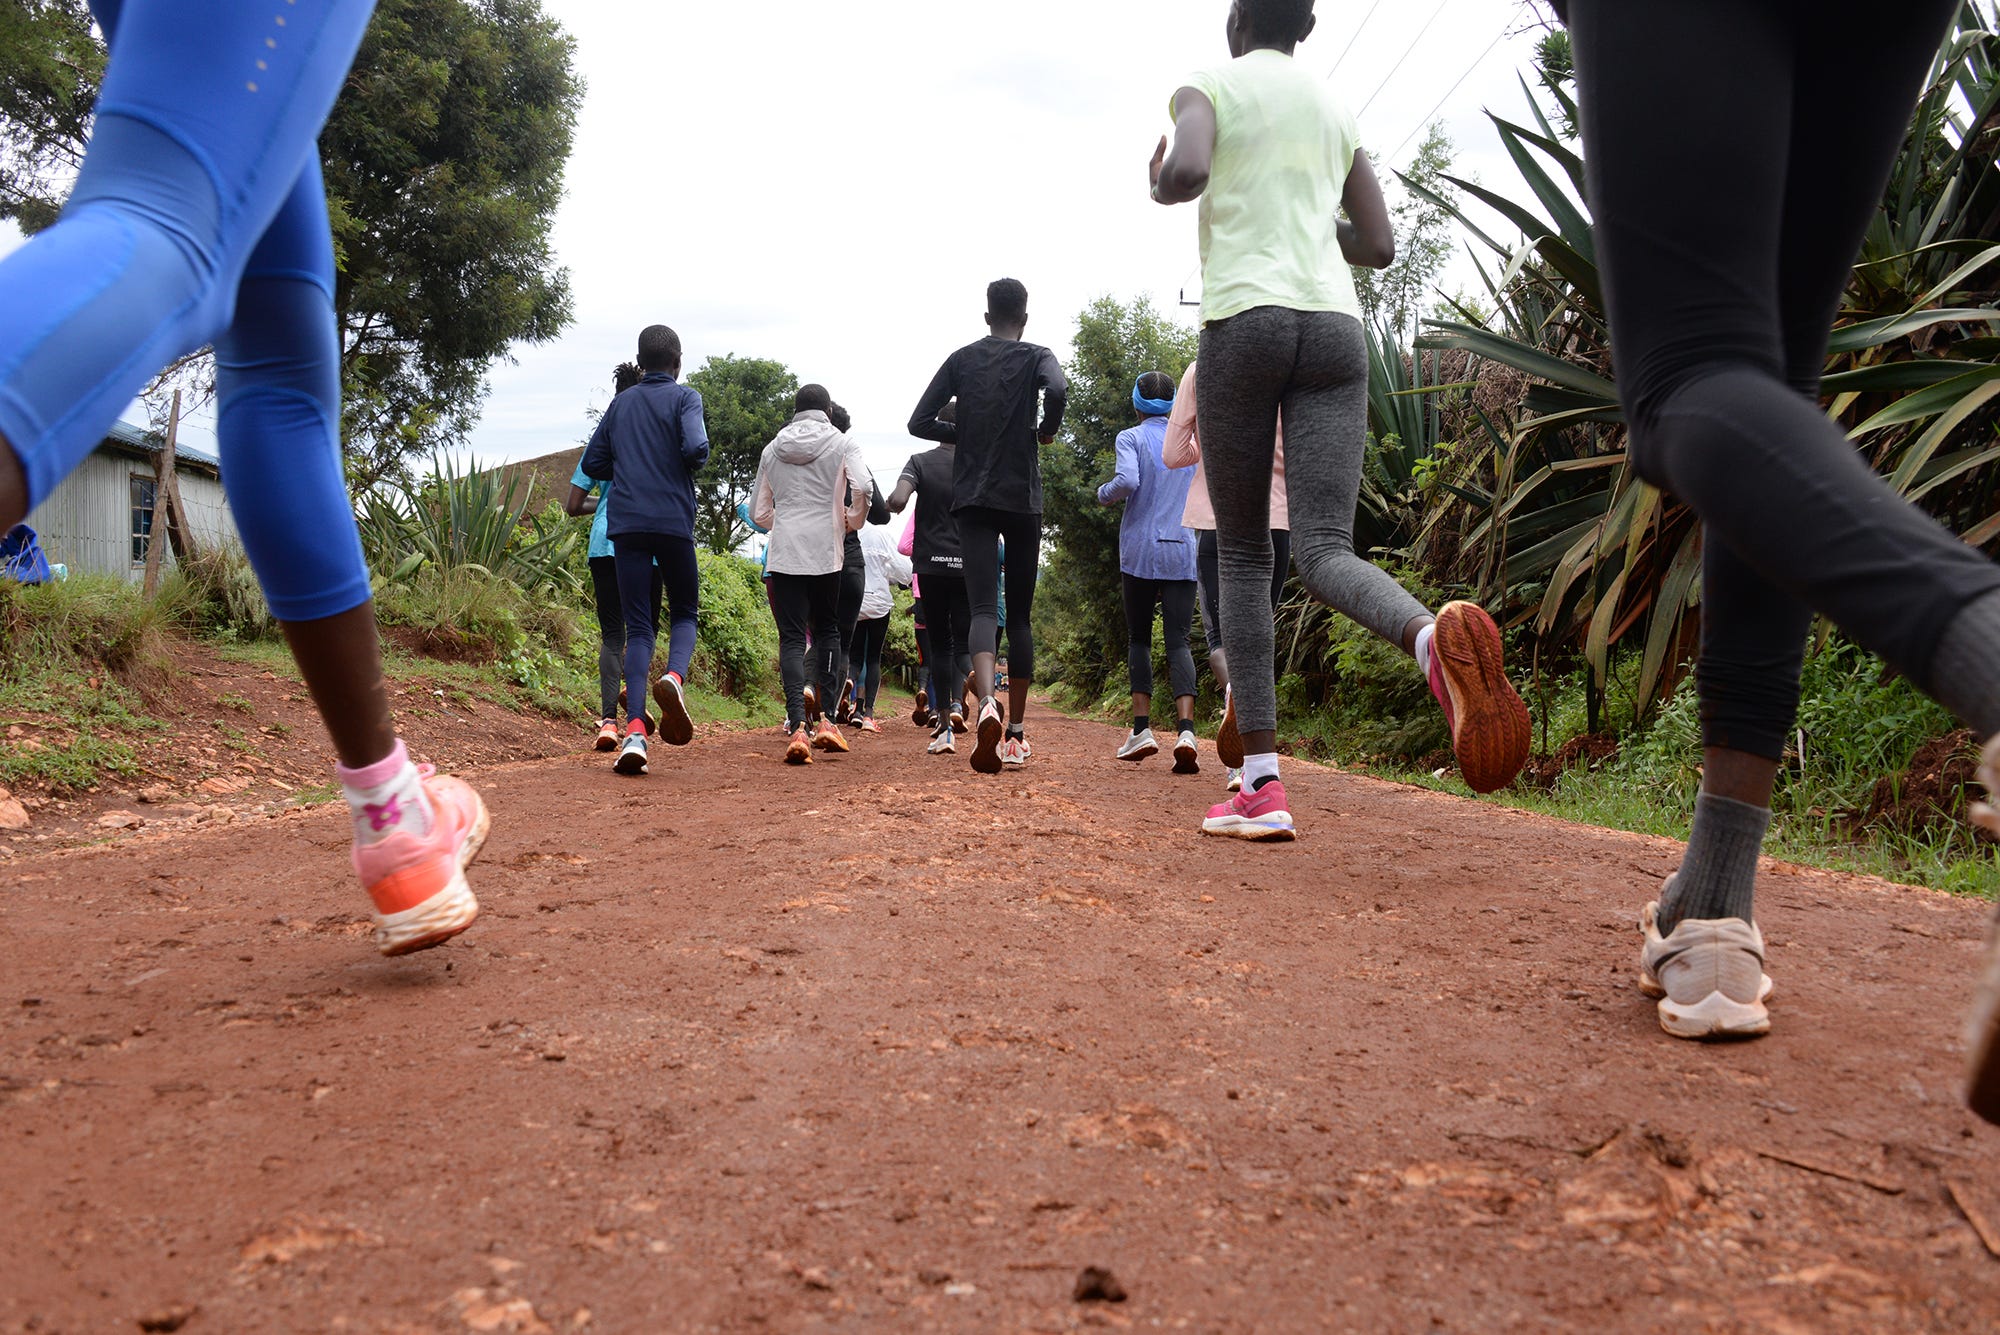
x: 812, y: 490
x: 886, y: 567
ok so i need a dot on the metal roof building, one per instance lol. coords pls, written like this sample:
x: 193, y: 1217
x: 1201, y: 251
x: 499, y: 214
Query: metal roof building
x: 100, y: 520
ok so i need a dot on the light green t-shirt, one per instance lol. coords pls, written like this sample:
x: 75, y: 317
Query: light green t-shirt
x: 1283, y: 148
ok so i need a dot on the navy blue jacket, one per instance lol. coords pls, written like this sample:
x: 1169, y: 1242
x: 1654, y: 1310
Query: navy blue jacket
x: 648, y: 445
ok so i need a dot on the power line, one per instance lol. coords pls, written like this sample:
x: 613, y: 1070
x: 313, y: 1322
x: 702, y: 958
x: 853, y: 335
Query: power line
x: 1407, y: 53
x: 1490, y: 48
x: 1349, y: 48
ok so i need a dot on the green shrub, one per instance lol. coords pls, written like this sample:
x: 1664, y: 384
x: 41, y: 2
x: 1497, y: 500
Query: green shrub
x: 736, y: 649
x: 216, y: 594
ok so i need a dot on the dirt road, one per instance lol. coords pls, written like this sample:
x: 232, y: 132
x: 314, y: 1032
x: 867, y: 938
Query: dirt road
x: 883, y: 1045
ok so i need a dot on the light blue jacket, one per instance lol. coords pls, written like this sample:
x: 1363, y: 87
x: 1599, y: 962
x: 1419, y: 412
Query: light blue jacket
x: 1152, y: 544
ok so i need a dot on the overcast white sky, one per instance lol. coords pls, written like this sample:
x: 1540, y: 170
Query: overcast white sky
x: 834, y: 185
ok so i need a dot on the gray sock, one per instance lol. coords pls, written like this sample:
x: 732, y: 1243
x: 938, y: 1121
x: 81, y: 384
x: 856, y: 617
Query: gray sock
x: 1965, y: 668
x: 1718, y: 877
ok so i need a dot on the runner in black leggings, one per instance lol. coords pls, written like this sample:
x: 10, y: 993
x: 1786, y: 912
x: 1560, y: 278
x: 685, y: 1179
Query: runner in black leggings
x: 1730, y: 206
x: 1002, y: 384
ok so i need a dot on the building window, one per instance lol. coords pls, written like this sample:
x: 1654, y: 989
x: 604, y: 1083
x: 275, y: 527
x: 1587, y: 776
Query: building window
x: 144, y: 491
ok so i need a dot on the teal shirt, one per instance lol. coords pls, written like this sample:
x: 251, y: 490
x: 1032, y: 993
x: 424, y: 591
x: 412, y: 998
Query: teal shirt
x: 600, y: 538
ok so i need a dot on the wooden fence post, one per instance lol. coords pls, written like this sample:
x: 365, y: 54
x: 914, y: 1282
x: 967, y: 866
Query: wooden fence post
x: 167, y: 501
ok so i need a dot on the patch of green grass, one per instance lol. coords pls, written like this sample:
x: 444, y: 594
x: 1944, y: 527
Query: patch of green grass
x: 1611, y: 799
x: 70, y: 767
x: 236, y: 702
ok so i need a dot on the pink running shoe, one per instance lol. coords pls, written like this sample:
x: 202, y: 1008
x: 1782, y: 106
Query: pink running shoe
x: 418, y: 884
x: 1259, y: 815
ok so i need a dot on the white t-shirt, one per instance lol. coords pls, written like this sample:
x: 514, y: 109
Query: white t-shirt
x: 885, y: 566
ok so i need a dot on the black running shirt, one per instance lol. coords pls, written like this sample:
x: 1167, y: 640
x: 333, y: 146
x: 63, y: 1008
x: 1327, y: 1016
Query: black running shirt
x: 1000, y: 384
x: 934, y: 546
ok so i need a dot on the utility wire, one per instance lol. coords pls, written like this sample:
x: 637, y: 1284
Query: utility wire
x: 1407, y: 53
x: 1491, y: 47
x: 1348, y: 50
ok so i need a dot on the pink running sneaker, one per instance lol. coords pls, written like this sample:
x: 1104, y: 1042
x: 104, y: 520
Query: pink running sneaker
x: 418, y: 884
x: 1259, y: 815
x: 868, y: 724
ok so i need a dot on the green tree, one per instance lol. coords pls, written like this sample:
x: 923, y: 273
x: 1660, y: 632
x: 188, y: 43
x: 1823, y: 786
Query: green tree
x: 1397, y: 297
x: 444, y: 165
x: 1079, y: 593
x: 50, y: 66
x: 747, y: 400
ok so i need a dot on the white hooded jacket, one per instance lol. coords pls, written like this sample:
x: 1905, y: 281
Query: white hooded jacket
x: 812, y: 491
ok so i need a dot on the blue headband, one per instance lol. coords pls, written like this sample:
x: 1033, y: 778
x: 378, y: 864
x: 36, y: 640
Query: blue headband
x: 1150, y: 407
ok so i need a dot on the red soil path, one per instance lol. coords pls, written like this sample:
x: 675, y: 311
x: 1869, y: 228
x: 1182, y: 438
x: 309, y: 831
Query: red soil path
x: 883, y: 1045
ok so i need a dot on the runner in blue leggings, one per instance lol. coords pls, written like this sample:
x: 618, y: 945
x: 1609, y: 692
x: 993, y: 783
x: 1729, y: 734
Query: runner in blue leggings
x: 199, y: 219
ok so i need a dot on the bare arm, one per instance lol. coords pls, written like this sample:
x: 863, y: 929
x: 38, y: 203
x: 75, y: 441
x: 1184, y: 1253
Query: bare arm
x: 899, y: 499
x: 580, y: 503
x: 1182, y: 174
x: 1366, y: 236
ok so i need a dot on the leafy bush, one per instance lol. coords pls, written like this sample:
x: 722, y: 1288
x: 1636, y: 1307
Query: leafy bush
x: 475, y: 521
x: 216, y: 594
x: 736, y: 651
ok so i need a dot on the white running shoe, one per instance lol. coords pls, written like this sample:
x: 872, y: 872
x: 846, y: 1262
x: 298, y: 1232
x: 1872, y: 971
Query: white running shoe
x: 1139, y: 746
x: 1708, y: 975
x: 942, y: 744
x: 1235, y: 784
x: 1187, y: 754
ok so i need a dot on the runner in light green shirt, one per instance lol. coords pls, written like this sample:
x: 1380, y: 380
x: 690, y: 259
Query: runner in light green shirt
x: 1284, y: 146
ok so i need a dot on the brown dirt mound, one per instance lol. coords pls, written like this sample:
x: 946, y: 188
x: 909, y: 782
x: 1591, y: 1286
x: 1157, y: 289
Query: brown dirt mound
x: 1931, y: 792
x: 1587, y: 752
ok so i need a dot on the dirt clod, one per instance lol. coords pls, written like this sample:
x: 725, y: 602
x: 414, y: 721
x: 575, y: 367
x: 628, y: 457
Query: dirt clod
x: 1098, y: 1285
x: 166, y: 1320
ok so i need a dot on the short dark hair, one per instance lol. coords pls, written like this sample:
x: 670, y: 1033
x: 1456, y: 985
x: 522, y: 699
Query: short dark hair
x: 812, y: 398
x: 626, y: 376
x: 1007, y: 299
x: 841, y: 421
x: 949, y: 413
x: 659, y: 349
x: 1157, y: 386
x: 1276, y: 20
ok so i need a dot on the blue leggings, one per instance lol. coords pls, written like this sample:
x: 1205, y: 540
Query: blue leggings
x: 199, y: 218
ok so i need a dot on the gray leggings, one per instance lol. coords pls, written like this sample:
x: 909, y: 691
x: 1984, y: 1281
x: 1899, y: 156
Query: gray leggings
x: 1313, y: 365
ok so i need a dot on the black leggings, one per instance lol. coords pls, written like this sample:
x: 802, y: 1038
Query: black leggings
x: 865, y: 652
x: 1208, y: 570
x: 948, y: 619
x: 1730, y: 207
x: 853, y: 588
x: 805, y: 604
x: 1175, y: 598
x: 611, y: 627
x: 980, y: 533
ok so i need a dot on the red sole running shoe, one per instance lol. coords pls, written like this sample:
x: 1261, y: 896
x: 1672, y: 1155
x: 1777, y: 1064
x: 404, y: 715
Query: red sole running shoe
x: 1229, y: 741
x: 1490, y: 732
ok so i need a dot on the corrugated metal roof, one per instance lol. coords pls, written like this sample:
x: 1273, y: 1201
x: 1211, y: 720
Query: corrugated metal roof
x: 142, y: 442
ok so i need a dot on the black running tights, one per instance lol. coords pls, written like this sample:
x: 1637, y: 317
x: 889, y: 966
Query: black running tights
x: 980, y: 533
x: 1730, y: 205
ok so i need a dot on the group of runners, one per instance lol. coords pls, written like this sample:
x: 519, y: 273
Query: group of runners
x: 1728, y: 210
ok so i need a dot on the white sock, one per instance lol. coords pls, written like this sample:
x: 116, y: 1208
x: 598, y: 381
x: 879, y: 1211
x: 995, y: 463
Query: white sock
x: 1424, y: 638
x: 395, y: 805
x: 1258, y: 768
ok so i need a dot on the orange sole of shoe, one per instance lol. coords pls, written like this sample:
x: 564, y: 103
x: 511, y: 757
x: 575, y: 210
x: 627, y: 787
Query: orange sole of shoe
x: 1229, y: 741
x: 1492, y: 733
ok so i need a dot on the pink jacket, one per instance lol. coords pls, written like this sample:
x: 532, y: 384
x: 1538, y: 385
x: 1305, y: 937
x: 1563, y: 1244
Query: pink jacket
x: 907, y: 546
x: 1183, y: 447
